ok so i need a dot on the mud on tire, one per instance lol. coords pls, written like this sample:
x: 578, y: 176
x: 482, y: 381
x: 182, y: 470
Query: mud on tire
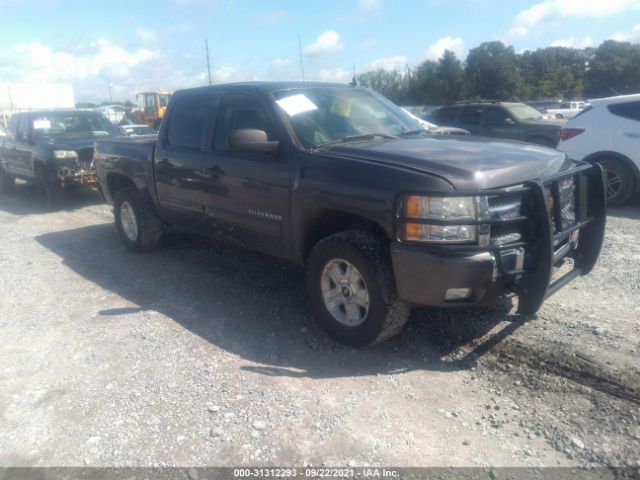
x: 148, y: 226
x: 369, y: 254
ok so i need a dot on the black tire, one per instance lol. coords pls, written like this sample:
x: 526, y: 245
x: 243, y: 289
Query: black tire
x: 149, y: 228
x: 369, y: 254
x: 51, y: 192
x: 618, y: 182
x: 7, y: 182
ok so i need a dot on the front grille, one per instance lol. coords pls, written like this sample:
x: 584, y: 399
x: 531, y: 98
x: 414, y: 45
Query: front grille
x: 85, y: 157
x: 561, y: 204
x: 505, y: 206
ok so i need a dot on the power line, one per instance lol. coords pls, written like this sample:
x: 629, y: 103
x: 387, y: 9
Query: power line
x: 206, y: 46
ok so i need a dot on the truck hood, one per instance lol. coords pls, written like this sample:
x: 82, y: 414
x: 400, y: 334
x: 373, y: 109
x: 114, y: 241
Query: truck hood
x: 71, y: 142
x: 467, y: 163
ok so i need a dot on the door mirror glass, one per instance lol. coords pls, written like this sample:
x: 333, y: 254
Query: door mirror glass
x: 252, y: 141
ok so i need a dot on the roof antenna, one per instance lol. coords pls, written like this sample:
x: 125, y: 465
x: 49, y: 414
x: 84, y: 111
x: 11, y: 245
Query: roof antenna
x: 354, y: 80
x: 300, y: 52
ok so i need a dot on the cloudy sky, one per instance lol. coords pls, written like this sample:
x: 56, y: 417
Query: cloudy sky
x: 144, y: 44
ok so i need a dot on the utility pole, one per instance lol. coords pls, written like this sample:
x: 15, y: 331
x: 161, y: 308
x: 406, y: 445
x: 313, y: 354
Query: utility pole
x: 110, y: 97
x: 300, y: 52
x: 206, y: 47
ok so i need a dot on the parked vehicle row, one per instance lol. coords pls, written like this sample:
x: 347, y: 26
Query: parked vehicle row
x: 383, y: 215
x: 512, y: 121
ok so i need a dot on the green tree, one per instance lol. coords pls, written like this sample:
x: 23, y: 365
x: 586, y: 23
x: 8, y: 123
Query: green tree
x: 614, y: 69
x: 491, y: 72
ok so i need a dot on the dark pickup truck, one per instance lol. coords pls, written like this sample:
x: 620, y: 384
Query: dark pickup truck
x: 382, y: 214
x: 52, y: 148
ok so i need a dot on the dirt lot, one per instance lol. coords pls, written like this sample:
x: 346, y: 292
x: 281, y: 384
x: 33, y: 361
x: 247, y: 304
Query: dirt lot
x: 203, y: 354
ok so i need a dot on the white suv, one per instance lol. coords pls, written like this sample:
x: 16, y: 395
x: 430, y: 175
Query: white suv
x: 608, y: 132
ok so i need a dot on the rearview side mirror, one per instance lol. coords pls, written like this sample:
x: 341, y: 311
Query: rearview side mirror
x: 251, y: 141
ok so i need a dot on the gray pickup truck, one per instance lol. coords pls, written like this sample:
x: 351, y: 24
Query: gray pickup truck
x: 53, y: 149
x: 383, y: 214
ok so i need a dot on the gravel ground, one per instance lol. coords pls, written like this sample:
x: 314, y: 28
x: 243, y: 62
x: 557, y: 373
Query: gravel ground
x: 203, y: 354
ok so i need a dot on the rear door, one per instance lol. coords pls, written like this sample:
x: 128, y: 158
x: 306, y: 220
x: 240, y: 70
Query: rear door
x: 178, y: 160
x: 627, y: 135
x: 20, y: 153
x: 247, y: 194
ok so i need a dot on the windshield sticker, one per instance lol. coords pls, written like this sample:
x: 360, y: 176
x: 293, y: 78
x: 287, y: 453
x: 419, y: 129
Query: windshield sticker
x: 41, y: 124
x: 296, y: 104
x: 341, y: 108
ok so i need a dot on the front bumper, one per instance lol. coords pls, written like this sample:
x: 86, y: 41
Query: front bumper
x: 424, y: 273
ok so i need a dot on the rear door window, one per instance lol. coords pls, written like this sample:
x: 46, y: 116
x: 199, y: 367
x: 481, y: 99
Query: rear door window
x: 187, y: 121
x: 630, y: 110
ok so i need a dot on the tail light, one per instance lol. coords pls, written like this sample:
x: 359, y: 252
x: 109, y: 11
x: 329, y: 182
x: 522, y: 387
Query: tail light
x: 567, y: 133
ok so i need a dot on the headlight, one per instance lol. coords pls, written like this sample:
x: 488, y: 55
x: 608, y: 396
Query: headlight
x: 442, y: 208
x: 65, y: 154
x: 417, y: 232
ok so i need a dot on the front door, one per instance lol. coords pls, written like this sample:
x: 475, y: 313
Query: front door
x: 498, y: 123
x: 178, y: 161
x: 247, y: 194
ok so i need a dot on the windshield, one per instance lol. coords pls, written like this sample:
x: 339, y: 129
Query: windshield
x: 320, y: 116
x: 72, y: 123
x: 524, y: 112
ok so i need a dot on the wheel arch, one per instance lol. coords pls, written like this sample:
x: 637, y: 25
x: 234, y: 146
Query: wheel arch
x: 611, y: 155
x: 327, y: 221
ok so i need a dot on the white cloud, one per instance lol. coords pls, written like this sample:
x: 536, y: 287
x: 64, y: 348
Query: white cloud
x: 573, y: 42
x: 456, y: 45
x: 328, y: 42
x: 369, y: 5
x: 336, y: 75
x: 146, y: 35
x: 550, y: 11
x: 387, y: 63
x: 632, y: 36
x: 39, y: 62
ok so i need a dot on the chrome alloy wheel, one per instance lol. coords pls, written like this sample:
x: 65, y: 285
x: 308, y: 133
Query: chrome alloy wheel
x: 345, y: 292
x: 128, y: 221
x: 613, y: 183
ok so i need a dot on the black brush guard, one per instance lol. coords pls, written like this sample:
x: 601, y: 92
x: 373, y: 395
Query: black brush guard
x: 544, y: 219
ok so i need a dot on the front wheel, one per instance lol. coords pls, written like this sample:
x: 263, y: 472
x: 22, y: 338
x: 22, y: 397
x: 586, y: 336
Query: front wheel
x: 7, y: 182
x: 618, y: 182
x: 352, y: 291
x: 139, y: 228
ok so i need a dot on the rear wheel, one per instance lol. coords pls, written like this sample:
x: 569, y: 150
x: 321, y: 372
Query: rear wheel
x: 352, y: 291
x: 618, y: 180
x: 7, y: 182
x: 139, y: 228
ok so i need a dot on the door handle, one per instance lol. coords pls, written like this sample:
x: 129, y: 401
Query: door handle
x: 163, y: 164
x: 631, y: 134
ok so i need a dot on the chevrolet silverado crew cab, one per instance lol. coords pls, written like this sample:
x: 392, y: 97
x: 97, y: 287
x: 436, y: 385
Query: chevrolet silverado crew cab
x: 52, y: 148
x: 383, y: 214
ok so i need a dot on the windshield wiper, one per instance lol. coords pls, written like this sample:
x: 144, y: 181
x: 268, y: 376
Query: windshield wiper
x: 414, y: 132
x: 355, y: 138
